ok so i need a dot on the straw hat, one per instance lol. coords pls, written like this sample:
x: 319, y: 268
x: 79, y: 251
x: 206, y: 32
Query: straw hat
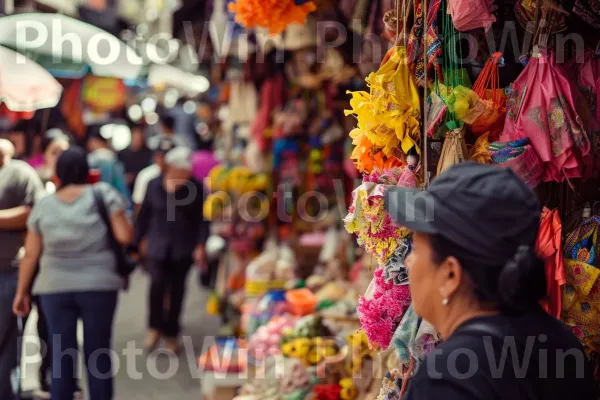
x: 297, y: 37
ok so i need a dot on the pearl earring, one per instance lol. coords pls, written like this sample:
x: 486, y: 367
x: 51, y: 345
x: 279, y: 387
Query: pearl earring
x: 445, y: 302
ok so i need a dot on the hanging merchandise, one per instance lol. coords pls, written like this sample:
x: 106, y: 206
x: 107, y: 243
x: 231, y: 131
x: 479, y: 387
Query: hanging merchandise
x: 388, y: 116
x: 243, y: 101
x: 549, y: 248
x: 271, y: 98
x: 471, y: 14
x: 479, y: 151
x: 381, y: 313
x: 275, y: 15
x: 581, y: 295
x: 528, y: 15
x: 377, y: 233
x: 487, y: 87
x: 520, y: 156
x: 414, y: 338
x: 463, y: 104
x: 589, y: 11
x: 542, y: 107
x: 454, y: 150
x: 436, y: 110
x: 586, y: 72
x: 419, y: 38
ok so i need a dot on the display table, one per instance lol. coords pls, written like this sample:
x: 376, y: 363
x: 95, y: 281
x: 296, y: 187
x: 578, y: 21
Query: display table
x: 220, y: 386
x: 223, y: 369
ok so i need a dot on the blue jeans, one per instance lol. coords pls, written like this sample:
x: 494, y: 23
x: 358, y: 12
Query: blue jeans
x: 8, y: 332
x: 96, y: 310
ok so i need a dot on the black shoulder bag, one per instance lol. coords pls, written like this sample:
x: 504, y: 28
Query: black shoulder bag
x: 125, y: 264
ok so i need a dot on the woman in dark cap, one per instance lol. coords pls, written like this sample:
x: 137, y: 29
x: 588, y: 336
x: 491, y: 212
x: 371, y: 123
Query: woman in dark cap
x: 77, y: 276
x: 475, y: 277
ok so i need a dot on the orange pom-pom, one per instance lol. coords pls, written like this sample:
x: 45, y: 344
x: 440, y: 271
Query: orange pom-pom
x: 275, y: 15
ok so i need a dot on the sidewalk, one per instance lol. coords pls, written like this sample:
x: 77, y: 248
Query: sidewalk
x: 143, y: 377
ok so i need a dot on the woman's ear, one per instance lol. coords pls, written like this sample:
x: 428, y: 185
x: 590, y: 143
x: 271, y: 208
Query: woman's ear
x: 450, y: 277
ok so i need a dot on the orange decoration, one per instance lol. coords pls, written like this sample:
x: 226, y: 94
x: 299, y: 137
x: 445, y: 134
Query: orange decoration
x: 275, y: 15
x: 368, y: 158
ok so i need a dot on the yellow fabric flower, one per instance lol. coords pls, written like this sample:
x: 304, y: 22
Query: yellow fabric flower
x: 389, y: 115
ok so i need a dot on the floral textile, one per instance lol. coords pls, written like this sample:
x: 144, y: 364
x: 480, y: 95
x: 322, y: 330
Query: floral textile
x: 581, y: 293
x: 544, y: 106
x: 376, y: 231
x: 381, y: 314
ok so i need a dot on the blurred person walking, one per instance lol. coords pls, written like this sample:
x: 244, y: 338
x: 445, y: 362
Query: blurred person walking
x: 20, y: 189
x: 53, y: 143
x: 171, y: 222
x: 136, y: 157
x: 160, y: 146
x: 102, y: 157
x: 78, y: 276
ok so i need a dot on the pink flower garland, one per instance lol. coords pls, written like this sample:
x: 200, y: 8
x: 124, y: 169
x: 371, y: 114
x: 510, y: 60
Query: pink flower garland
x: 381, y: 314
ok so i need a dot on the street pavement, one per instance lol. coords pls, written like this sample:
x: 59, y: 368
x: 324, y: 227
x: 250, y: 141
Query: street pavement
x: 143, y: 376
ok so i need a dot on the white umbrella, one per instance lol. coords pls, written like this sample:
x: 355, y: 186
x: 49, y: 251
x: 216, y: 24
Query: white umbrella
x: 68, y: 39
x: 24, y: 85
x: 174, y: 77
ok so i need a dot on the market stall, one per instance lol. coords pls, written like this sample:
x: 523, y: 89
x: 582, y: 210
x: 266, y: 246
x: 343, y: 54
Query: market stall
x: 443, y: 92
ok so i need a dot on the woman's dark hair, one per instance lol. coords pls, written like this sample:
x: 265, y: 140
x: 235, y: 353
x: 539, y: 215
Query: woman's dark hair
x: 72, y: 167
x: 52, y: 135
x: 514, y: 285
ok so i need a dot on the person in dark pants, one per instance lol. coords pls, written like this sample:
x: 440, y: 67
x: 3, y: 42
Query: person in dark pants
x: 77, y: 276
x: 54, y: 142
x: 20, y: 188
x: 171, y: 222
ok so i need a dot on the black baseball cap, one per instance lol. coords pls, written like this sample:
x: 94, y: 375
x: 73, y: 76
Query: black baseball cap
x: 484, y: 209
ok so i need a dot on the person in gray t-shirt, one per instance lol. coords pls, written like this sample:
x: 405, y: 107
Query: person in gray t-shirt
x: 20, y: 187
x: 77, y: 277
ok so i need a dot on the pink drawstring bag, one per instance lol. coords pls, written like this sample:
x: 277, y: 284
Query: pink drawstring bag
x: 541, y: 107
x: 471, y: 14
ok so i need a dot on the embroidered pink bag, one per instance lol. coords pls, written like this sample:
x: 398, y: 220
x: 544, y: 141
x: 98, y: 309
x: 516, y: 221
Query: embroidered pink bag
x: 542, y: 107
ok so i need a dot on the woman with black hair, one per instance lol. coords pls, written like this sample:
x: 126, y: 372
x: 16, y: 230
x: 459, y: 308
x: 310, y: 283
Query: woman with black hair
x: 52, y: 145
x: 77, y: 276
x: 475, y: 277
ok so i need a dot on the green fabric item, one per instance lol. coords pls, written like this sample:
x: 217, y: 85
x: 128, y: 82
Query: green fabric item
x: 325, y: 304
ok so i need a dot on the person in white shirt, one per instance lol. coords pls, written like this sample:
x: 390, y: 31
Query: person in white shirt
x: 161, y: 147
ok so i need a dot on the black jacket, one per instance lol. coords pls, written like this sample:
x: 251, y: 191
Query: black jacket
x: 172, y: 224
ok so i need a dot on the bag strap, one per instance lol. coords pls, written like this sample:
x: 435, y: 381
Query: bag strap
x: 103, y: 212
